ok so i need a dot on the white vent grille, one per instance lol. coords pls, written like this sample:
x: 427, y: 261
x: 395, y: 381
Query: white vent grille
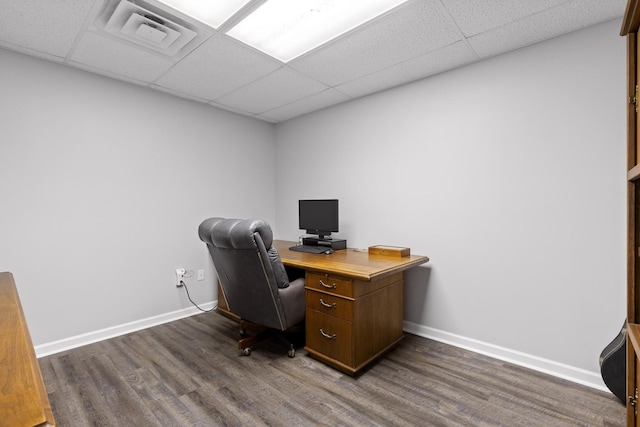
x: 141, y: 26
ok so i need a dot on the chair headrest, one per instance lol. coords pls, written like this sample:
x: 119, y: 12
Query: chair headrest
x: 234, y: 233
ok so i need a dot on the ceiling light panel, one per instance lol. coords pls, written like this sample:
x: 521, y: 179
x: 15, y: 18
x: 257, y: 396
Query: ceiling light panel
x: 212, y: 13
x: 285, y: 29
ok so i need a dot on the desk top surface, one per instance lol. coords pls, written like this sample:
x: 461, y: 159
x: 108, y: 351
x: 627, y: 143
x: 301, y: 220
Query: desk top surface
x: 347, y: 262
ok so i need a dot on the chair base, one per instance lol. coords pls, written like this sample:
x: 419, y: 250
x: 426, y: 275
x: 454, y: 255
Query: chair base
x: 261, y: 333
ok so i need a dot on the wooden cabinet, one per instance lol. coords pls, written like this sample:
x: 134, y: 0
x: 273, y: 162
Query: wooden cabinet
x: 350, y: 322
x: 23, y: 397
x: 630, y: 26
x: 354, y: 303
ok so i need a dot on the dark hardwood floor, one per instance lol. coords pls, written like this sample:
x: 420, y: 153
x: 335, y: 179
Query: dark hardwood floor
x: 189, y: 373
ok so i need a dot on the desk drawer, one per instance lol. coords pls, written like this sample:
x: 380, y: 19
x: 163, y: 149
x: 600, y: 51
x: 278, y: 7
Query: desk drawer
x: 330, y: 336
x: 329, y: 283
x: 329, y: 304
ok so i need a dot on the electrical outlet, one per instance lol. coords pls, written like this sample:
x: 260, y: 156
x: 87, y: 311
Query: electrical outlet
x: 200, y: 274
x: 180, y: 272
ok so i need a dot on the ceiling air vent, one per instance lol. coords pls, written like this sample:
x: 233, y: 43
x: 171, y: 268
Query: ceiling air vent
x: 144, y: 27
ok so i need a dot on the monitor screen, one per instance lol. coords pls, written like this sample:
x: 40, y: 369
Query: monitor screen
x: 318, y: 216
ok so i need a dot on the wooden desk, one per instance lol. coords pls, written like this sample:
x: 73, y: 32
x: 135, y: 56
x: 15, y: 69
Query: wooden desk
x: 354, y: 303
x: 23, y: 398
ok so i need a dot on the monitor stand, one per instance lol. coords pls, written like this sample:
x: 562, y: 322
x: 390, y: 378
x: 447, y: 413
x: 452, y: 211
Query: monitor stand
x: 334, y: 244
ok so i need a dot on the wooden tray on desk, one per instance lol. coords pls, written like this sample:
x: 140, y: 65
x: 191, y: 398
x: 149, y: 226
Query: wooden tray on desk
x: 385, y: 250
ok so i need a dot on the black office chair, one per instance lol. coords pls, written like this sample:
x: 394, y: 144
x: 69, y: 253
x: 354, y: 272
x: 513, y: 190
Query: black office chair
x: 253, y: 279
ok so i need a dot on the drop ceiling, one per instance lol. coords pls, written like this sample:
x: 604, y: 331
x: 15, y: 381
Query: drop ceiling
x: 415, y: 40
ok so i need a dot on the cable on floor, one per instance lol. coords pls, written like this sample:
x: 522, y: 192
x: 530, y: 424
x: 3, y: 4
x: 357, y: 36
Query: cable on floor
x: 184, y: 285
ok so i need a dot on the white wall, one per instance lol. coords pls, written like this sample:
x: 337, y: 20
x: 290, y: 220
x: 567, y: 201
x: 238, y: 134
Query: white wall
x: 103, y: 186
x: 509, y: 174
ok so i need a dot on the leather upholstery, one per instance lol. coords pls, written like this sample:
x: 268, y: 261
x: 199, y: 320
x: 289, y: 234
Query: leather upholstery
x: 252, y: 276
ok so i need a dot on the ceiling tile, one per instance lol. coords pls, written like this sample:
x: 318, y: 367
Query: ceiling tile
x: 315, y: 102
x: 550, y: 23
x: 416, y: 28
x: 414, y: 40
x: 475, y: 17
x: 45, y: 26
x: 119, y: 58
x: 217, y: 67
x: 231, y: 109
x: 278, y: 88
x: 179, y: 94
x: 444, y: 59
x: 31, y: 52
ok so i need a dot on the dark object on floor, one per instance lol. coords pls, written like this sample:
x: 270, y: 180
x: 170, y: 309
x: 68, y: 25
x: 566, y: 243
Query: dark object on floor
x: 613, y: 365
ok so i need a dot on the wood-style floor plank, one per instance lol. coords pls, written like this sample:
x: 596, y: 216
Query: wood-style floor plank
x: 190, y: 373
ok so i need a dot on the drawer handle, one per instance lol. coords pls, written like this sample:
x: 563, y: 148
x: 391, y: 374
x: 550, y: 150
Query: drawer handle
x: 326, y: 335
x: 327, y: 305
x: 324, y: 285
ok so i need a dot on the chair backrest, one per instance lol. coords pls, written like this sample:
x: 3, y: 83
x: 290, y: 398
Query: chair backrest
x: 249, y: 268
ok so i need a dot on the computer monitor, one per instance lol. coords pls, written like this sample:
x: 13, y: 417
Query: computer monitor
x: 319, y: 217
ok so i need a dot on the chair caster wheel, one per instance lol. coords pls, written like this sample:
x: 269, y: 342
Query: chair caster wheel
x: 243, y: 332
x: 292, y: 352
x: 246, y: 352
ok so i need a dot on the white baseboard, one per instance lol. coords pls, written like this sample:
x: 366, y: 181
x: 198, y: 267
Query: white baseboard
x: 103, y: 334
x: 571, y: 373
x: 577, y: 375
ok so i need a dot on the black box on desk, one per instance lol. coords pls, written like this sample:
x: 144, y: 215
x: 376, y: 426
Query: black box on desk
x: 334, y: 244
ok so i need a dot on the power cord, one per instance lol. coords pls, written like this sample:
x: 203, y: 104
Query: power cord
x: 184, y: 285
